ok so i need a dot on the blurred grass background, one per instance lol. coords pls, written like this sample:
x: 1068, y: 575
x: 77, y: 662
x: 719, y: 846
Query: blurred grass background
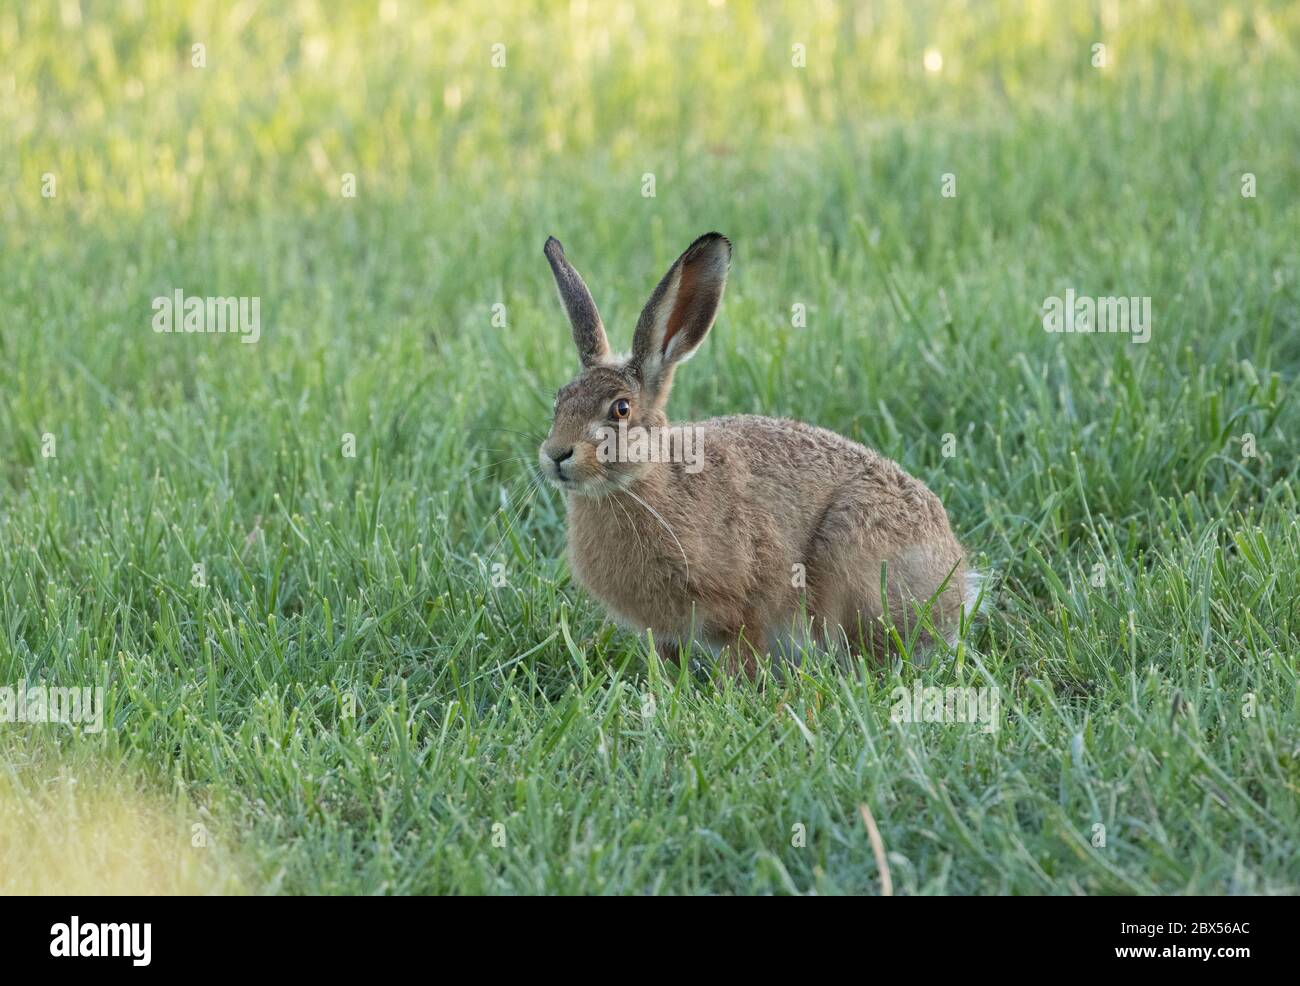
x: 333, y: 581
x: 69, y: 825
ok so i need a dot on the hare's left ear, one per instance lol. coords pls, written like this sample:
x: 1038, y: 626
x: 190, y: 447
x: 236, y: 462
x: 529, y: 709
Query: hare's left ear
x: 588, y: 331
x: 681, y: 310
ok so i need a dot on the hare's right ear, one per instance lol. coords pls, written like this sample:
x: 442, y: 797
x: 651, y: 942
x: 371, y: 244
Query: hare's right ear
x: 588, y: 332
x: 681, y: 310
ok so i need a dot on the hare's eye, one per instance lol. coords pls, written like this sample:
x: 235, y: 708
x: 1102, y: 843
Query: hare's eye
x: 620, y: 409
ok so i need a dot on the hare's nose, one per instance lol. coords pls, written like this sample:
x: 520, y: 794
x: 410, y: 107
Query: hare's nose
x: 559, y: 455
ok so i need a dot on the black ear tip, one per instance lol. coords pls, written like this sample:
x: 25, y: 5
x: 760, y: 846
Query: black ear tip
x: 553, y: 247
x: 715, y: 241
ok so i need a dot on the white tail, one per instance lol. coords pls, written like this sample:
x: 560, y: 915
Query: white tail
x: 975, y: 600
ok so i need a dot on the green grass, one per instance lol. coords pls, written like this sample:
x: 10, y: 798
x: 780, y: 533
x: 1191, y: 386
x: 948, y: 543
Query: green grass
x: 352, y: 705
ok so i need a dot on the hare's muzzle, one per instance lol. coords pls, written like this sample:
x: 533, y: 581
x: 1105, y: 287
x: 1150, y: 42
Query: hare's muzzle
x: 553, y: 459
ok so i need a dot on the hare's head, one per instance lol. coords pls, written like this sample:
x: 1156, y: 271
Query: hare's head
x: 613, y: 396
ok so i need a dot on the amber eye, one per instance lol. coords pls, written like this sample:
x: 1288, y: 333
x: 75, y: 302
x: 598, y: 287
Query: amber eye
x: 620, y: 409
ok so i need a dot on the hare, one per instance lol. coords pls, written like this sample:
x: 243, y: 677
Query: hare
x: 750, y: 531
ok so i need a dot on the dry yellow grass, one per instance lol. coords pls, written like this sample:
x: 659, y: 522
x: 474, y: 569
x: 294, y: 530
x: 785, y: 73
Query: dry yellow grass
x: 82, y: 831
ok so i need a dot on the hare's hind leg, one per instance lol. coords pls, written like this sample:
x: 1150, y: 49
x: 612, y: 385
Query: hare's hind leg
x: 855, y: 549
x: 738, y: 649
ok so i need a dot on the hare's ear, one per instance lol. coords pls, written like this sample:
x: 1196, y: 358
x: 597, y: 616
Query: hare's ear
x: 681, y: 310
x: 588, y: 332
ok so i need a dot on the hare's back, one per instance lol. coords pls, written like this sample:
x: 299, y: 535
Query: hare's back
x: 779, y: 445
x: 801, y: 468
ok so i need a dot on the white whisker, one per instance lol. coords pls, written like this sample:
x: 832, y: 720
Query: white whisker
x: 666, y: 528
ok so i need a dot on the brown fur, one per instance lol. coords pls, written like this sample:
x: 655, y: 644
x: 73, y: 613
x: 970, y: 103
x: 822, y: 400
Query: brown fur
x: 718, y: 562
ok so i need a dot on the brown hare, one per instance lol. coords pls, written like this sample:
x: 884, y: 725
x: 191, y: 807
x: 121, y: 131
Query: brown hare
x: 738, y: 532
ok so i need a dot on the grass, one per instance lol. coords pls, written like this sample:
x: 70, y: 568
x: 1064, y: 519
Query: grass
x: 352, y: 703
x: 73, y: 827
